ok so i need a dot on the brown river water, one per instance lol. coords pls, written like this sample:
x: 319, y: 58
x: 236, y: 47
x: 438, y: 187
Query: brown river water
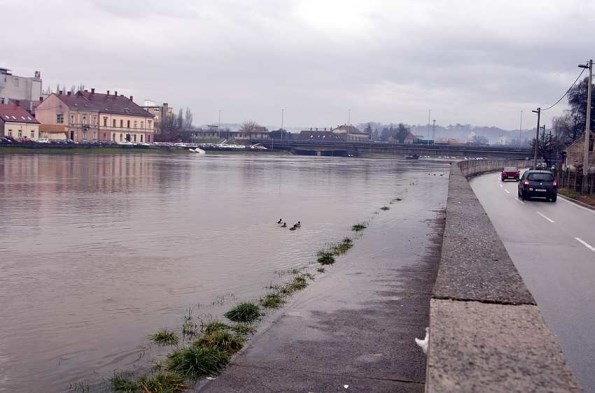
x: 99, y: 251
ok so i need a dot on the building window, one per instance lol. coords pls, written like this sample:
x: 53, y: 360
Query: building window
x: 114, y: 123
x: 20, y: 133
x: 141, y: 137
x: 71, y: 119
x: 104, y: 136
x: 142, y: 124
x: 127, y: 123
x: 121, y: 137
x: 84, y: 119
x: 149, y: 123
x: 135, y: 124
x: 121, y: 123
x: 60, y: 118
x: 32, y: 134
x: 94, y: 120
x: 105, y: 121
x: 10, y: 132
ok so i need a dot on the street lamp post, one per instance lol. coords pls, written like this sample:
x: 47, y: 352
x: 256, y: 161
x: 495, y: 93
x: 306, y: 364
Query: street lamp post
x: 589, y: 65
x: 538, y: 111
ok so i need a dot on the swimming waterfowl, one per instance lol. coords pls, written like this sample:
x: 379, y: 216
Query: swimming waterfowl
x: 297, y: 224
x: 280, y: 221
x: 293, y: 228
x: 284, y: 225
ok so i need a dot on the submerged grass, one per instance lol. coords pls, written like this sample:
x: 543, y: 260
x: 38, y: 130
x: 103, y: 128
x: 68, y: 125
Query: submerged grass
x: 359, y: 227
x: 164, y: 337
x: 325, y: 258
x: 272, y: 300
x: 385, y: 208
x: 244, y: 312
x: 123, y: 382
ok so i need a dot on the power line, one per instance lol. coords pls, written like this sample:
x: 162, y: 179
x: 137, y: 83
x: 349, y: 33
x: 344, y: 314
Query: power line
x: 565, y: 94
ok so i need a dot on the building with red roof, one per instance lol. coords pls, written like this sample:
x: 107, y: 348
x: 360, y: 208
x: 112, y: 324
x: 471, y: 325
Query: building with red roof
x: 97, y: 117
x: 17, y: 123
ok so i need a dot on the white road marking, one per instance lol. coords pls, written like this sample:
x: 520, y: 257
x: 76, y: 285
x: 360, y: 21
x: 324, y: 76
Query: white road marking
x: 508, y: 192
x: 520, y: 201
x: 584, y: 243
x: 544, y: 216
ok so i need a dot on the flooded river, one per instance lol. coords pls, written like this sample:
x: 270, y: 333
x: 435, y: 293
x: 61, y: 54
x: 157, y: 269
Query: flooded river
x: 99, y: 251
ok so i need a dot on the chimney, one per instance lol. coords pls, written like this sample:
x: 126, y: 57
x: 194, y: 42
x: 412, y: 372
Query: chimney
x: 116, y: 93
x: 131, y: 98
x: 40, y: 99
x: 86, y: 91
x: 108, y: 92
x: 68, y: 93
x: 92, y: 90
x: 17, y: 102
x: 60, y: 92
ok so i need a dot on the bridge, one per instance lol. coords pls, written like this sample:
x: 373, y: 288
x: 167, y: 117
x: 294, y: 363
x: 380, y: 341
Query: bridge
x: 356, y: 149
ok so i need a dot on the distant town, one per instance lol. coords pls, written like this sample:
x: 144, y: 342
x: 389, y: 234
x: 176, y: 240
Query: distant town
x: 30, y: 113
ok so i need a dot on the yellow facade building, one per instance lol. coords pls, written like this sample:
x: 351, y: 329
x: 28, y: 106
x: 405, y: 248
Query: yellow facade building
x: 17, y: 123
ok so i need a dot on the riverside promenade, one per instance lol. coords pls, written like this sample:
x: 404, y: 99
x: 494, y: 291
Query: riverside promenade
x: 354, y: 328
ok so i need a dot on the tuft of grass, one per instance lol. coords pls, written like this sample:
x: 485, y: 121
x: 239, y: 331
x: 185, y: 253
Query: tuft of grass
x: 122, y: 382
x: 243, y: 312
x: 164, y: 337
x: 320, y: 270
x: 214, y: 326
x: 195, y: 362
x: 189, y: 327
x: 342, y: 247
x: 396, y: 200
x: 325, y: 258
x: 385, y: 208
x: 243, y: 329
x: 271, y: 300
x: 222, y: 339
x: 359, y: 227
x: 162, y: 382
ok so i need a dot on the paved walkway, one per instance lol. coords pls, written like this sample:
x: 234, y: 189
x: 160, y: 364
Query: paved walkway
x: 352, y: 329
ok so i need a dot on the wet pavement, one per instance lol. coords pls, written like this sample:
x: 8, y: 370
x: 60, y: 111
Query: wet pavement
x: 353, y: 329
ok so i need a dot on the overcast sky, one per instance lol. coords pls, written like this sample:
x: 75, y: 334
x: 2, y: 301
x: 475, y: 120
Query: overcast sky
x: 477, y: 62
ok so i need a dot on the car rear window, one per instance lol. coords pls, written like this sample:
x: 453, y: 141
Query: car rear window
x: 510, y: 169
x: 541, y: 177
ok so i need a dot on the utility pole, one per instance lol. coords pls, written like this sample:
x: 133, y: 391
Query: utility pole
x: 521, y: 129
x: 434, y: 131
x: 219, y: 124
x: 538, y: 111
x: 589, y: 65
x: 429, y: 116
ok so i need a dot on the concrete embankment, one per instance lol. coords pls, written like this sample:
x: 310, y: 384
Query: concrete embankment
x: 486, y: 331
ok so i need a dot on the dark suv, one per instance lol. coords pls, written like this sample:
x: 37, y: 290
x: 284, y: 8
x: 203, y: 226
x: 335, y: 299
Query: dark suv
x: 537, y: 183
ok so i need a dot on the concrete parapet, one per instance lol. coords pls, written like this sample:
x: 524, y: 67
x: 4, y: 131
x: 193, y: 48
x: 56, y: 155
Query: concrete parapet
x: 486, y: 332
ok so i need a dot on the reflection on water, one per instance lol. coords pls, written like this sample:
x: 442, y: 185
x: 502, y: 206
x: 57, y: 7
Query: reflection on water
x: 98, y: 251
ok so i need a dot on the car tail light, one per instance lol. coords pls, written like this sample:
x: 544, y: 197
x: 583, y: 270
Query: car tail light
x: 526, y: 182
x: 555, y: 183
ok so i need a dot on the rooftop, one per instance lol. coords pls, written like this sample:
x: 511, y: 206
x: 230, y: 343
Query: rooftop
x: 15, y: 114
x: 103, y: 103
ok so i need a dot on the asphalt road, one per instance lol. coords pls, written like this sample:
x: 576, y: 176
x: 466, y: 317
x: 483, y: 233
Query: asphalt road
x: 553, y: 247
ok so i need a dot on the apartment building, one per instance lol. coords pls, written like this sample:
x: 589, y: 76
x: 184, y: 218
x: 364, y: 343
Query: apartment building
x: 97, y: 117
x: 14, y: 88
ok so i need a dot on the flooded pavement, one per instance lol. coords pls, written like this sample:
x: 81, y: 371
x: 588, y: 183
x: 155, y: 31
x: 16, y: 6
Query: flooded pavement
x: 354, y: 328
x: 99, y: 251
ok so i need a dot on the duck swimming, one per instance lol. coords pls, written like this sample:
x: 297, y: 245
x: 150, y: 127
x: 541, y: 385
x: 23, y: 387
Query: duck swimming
x: 293, y: 228
x: 297, y: 224
x: 284, y: 225
x: 280, y: 221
